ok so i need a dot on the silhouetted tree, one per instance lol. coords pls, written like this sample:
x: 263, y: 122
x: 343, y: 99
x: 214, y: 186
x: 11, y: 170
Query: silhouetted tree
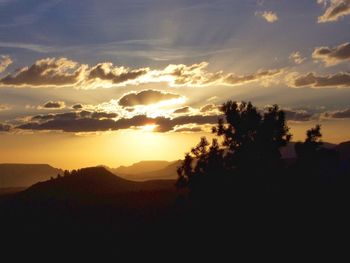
x: 315, y: 164
x: 250, y: 146
x: 306, y: 150
x: 66, y: 173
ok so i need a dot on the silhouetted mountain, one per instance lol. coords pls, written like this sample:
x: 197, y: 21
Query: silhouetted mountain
x: 11, y: 190
x: 92, y: 181
x: 166, y: 173
x: 141, y: 167
x: 288, y: 152
x: 344, y: 150
x: 24, y: 175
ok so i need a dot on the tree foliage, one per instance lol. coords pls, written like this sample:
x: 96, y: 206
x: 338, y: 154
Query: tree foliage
x: 249, y: 144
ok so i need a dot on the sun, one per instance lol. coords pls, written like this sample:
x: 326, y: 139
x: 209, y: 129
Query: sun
x: 148, y: 127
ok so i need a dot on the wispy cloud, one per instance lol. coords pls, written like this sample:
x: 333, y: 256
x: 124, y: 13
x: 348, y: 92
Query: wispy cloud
x: 297, y: 58
x: 28, y: 46
x: 5, y: 61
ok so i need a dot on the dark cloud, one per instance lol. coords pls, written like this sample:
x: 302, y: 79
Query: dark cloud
x: 182, y: 110
x: 103, y: 115
x: 75, y: 116
x: 58, y: 116
x: 339, y: 80
x: 261, y: 75
x: 85, y: 113
x: 74, y: 122
x: 71, y: 125
x: 297, y: 115
x: 77, y: 106
x: 4, y: 127
x: 53, y: 105
x: 332, y: 55
x: 166, y: 124
x: 46, y: 72
x: 189, y: 129
x: 87, y: 121
x: 43, y: 117
x: 146, y: 97
x: 341, y: 114
x: 335, y: 10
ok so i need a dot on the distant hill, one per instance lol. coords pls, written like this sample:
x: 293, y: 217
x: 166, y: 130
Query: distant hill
x: 93, y: 181
x: 155, y: 170
x: 24, y: 175
x: 288, y: 152
x: 141, y: 167
x: 148, y: 170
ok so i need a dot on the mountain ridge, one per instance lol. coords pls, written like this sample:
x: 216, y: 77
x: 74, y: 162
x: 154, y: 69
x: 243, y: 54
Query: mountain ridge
x: 92, y: 181
x: 24, y: 175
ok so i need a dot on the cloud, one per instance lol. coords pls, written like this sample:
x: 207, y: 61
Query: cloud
x: 4, y: 127
x: 5, y: 61
x: 46, y: 72
x: 74, y: 116
x: 335, y: 9
x: 91, y: 122
x: 98, y: 121
x: 297, y: 58
x: 115, y: 75
x: 62, y: 72
x: 212, y: 98
x: 182, y: 110
x: 77, y: 106
x: 4, y: 107
x: 338, y: 80
x: 103, y: 115
x: 331, y: 56
x: 269, y: 16
x: 167, y: 124
x: 341, y: 114
x: 190, y: 129
x: 53, y: 105
x: 146, y: 97
x: 297, y: 115
x: 208, y: 107
x: 264, y: 76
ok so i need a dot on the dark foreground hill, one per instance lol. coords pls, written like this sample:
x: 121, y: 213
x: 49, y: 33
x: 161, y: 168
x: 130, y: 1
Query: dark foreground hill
x: 24, y: 175
x: 344, y: 150
x: 93, y: 207
x: 94, y: 181
x: 90, y: 205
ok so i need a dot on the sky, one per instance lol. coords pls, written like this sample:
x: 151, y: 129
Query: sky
x: 84, y: 83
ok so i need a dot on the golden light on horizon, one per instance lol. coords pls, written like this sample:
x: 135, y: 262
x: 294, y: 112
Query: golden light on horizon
x: 149, y: 127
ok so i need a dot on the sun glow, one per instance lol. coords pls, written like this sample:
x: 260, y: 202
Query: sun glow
x: 148, y: 127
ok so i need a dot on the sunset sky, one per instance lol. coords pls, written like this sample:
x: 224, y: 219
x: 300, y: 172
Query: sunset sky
x: 92, y: 82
